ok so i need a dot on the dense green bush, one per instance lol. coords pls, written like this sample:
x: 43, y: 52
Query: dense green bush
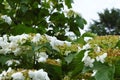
x: 52, y: 17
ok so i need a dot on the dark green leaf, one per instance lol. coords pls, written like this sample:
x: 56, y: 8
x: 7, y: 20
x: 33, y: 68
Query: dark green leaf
x: 68, y: 3
x: 1, y: 1
x: 75, y: 29
x: 76, y: 65
x: 54, y: 72
x: 118, y: 44
x: 4, y: 58
x: 80, y: 21
x: 24, y: 8
x: 25, y: 1
x: 19, y: 29
x: 104, y: 72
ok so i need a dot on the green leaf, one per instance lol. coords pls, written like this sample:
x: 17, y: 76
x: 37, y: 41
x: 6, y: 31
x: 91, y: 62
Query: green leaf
x: 4, y: 58
x: 54, y: 71
x: 69, y: 58
x: 80, y: 41
x: 88, y: 34
x: 25, y: 1
x: 75, y: 29
x: 104, y: 72
x: 24, y: 8
x: 13, y: 3
x: 21, y: 28
x: 1, y: 1
x: 118, y: 44
x: 80, y: 21
x: 68, y: 3
x: 77, y: 65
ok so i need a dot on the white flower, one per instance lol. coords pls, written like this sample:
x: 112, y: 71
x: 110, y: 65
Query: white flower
x: 10, y: 62
x: 7, y: 19
x: 101, y: 58
x: 54, y: 42
x: 94, y: 72
x: 38, y: 75
x: 42, y: 57
x: 86, y: 46
x: 4, y: 73
x: 19, y: 38
x: 86, y: 39
x: 14, y: 47
x: 85, y: 55
x: 58, y: 60
x: 17, y: 76
x: 5, y: 49
x: 17, y: 51
x: 87, y: 60
x: 67, y: 43
x: 14, y: 39
x: 36, y: 38
x: 9, y: 70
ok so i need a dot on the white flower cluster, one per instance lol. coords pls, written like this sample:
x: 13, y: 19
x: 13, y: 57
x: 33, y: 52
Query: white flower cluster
x: 42, y: 57
x: 15, y: 45
x: 11, y: 62
x: 38, y: 75
x: 4, y: 73
x: 18, y: 76
x: 101, y: 58
x: 7, y: 19
x: 21, y: 75
x: 12, y: 44
x: 55, y: 42
x: 87, y: 60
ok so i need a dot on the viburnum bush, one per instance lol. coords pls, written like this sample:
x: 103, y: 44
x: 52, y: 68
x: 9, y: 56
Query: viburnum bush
x: 43, y: 57
x: 35, y: 44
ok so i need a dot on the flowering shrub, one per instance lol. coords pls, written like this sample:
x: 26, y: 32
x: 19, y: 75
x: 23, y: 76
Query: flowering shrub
x: 43, y: 57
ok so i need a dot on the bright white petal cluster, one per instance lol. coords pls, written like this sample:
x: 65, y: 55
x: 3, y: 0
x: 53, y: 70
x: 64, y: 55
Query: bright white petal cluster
x: 11, y: 44
x: 87, y: 60
x: 86, y: 39
x: 42, y: 57
x: 36, y: 38
x: 55, y: 42
x: 4, y: 73
x: 101, y: 58
x: 86, y: 46
x: 10, y: 62
x: 17, y: 76
x: 38, y: 75
x: 21, y: 39
x: 7, y: 19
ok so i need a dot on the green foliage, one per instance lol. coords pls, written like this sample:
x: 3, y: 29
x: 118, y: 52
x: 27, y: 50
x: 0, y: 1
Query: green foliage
x: 39, y: 16
x: 77, y: 65
x: 104, y: 72
x: 110, y: 45
x: 65, y: 60
x: 108, y: 23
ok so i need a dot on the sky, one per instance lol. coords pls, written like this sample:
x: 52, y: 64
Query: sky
x: 89, y: 8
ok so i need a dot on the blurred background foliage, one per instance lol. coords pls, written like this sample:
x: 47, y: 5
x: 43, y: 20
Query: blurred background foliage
x: 40, y: 16
x: 108, y: 23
